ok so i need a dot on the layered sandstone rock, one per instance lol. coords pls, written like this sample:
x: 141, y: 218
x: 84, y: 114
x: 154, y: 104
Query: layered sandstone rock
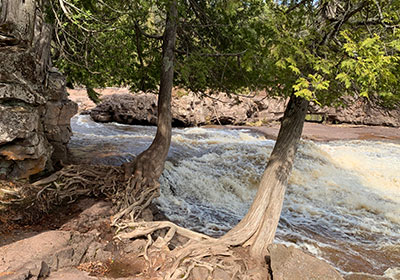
x: 192, y: 110
x: 359, y: 111
x: 188, y: 110
x: 289, y: 263
x: 35, y: 112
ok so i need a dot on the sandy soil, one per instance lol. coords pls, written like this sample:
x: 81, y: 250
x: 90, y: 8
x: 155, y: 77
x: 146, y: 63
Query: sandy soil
x: 312, y: 131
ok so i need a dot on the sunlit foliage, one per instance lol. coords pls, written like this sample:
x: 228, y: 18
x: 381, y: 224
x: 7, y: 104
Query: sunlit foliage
x: 320, y: 50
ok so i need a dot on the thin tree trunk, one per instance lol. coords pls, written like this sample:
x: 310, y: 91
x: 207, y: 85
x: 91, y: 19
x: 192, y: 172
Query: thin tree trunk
x: 257, y: 229
x: 150, y: 164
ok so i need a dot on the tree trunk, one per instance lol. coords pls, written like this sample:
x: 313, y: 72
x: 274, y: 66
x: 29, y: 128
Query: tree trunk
x: 149, y: 164
x: 257, y: 229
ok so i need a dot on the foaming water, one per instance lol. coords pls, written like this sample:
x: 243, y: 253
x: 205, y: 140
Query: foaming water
x: 342, y: 203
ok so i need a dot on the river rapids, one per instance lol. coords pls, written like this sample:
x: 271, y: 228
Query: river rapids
x: 342, y: 203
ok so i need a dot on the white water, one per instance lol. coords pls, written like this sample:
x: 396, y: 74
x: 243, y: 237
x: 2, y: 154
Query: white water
x: 342, y: 203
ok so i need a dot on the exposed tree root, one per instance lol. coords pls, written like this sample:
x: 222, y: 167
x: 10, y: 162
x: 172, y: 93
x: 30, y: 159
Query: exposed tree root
x: 130, y: 196
x: 137, y: 196
x: 199, y: 252
x: 145, y: 228
x: 192, y: 254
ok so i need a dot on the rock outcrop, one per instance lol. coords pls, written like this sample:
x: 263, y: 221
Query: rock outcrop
x: 359, y: 111
x: 35, y: 111
x: 188, y: 110
x: 38, y: 256
x: 289, y: 263
x: 191, y: 110
x: 56, y: 254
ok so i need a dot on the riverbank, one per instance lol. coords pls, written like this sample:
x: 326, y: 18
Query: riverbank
x: 86, y: 230
x: 326, y: 132
x: 218, y: 168
x: 312, y: 130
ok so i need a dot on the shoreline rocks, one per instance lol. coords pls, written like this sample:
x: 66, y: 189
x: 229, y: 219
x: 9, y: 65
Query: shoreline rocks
x: 188, y: 110
x: 191, y: 110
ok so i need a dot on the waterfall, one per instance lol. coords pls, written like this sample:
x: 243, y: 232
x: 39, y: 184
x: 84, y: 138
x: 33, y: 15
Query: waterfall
x: 342, y: 203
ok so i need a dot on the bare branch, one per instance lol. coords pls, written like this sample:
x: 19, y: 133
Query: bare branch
x: 68, y: 15
x: 338, y: 22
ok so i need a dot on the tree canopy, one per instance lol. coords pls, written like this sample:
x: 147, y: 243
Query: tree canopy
x: 118, y: 42
x: 321, y: 50
x: 327, y: 49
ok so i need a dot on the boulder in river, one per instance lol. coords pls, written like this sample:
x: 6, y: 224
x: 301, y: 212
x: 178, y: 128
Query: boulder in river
x: 188, y: 110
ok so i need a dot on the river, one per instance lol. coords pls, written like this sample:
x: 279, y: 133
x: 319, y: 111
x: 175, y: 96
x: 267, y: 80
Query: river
x: 342, y: 203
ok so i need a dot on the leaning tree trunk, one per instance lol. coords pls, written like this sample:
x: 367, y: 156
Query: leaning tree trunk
x: 257, y: 229
x: 148, y: 166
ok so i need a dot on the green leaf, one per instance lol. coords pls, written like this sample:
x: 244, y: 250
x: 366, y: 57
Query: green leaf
x: 305, y: 93
x: 294, y: 69
x: 281, y: 63
x: 343, y: 77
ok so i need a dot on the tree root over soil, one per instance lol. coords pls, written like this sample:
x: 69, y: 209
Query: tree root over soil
x: 198, y: 256
x: 176, y: 253
x: 129, y: 195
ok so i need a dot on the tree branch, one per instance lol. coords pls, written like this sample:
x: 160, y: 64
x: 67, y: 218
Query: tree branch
x: 382, y: 19
x: 150, y: 36
x: 290, y: 9
x: 68, y: 15
x: 340, y: 21
x: 213, y: 54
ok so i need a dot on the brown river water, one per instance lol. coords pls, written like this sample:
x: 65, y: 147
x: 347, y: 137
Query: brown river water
x: 342, y: 203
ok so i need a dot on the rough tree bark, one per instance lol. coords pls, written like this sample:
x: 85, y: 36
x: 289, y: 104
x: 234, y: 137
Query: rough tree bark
x: 257, y: 229
x: 148, y: 166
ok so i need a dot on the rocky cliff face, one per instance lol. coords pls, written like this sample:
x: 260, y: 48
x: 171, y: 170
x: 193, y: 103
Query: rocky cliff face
x: 35, y: 111
x: 359, y: 111
x: 190, y: 110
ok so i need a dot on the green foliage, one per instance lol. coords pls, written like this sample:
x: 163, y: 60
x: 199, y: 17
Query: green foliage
x: 372, y: 64
x: 103, y: 43
x: 320, y: 50
x: 326, y: 49
x: 96, y: 43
